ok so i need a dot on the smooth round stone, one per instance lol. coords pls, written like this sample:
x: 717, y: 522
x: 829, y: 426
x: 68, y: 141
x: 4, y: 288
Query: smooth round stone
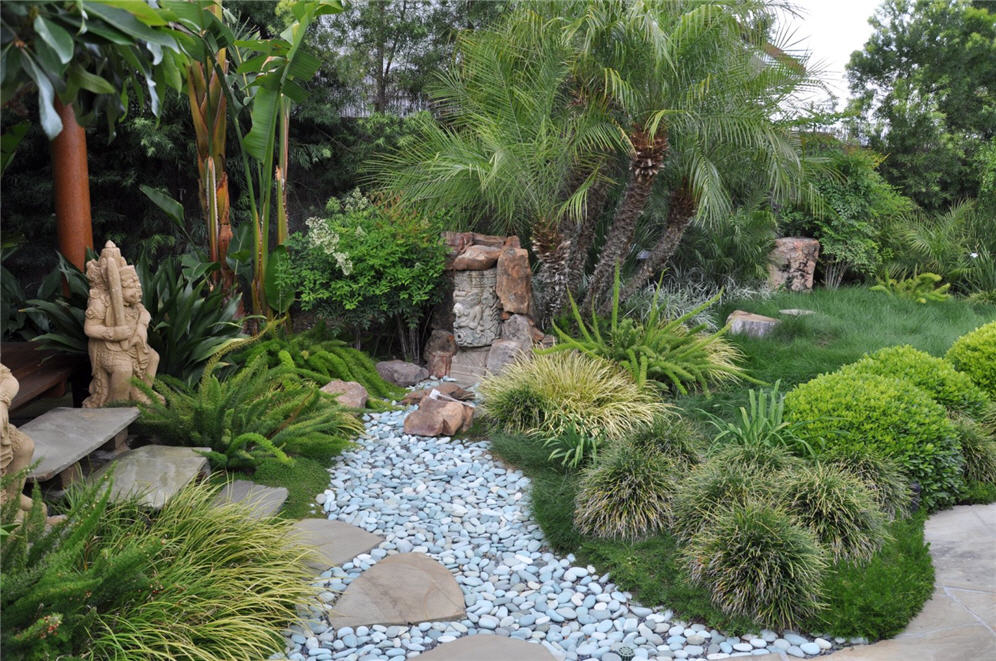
x: 823, y: 643
x: 743, y: 647
x: 795, y: 651
x: 694, y: 650
x: 758, y: 642
x: 810, y: 648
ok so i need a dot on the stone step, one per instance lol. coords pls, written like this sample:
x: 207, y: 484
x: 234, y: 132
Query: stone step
x: 64, y: 436
x: 407, y: 588
x: 263, y: 501
x: 487, y: 648
x: 154, y: 473
x: 335, y: 542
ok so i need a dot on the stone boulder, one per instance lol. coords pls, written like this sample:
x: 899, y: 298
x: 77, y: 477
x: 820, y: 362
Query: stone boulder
x: 521, y: 329
x: 401, y: 373
x: 439, y: 351
x: 349, y: 393
x: 505, y: 352
x: 514, y: 282
x: 476, y: 258
x: 449, y: 389
x: 792, y: 263
x: 752, y: 325
x: 437, y: 417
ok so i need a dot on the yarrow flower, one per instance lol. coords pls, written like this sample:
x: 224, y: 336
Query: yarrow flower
x: 321, y: 236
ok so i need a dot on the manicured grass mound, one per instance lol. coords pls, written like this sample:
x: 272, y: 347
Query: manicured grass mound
x: 885, y: 415
x: 626, y: 495
x: 950, y: 388
x: 550, y: 395
x: 837, y: 508
x: 756, y: 561
x: 975, y: 354
x: 882, y: 476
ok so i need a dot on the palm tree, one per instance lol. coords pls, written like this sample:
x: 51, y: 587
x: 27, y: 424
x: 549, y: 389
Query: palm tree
x: 509, y: 146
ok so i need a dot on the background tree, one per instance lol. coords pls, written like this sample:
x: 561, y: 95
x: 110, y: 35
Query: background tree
x: 924, y: 86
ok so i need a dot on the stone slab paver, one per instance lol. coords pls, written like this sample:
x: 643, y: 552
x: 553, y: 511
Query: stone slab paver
x: 406, y: 588
x: 959, y: 620
x: 155, y: 473
x: 335, y: 542
x: 65, y: 435
x: 488, y: 648
x: 262, y: 500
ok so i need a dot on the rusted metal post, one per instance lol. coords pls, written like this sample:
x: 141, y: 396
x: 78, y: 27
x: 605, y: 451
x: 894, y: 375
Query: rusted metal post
x: 72, y: 188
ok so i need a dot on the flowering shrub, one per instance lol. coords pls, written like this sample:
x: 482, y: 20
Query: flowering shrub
x: 364, y: 263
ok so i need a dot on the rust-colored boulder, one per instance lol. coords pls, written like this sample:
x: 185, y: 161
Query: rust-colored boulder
x: 349, y: 393
x: 457, y: 241
x: 489, y: 240
x: 476, y: 258
x: 439, y: 352
x: 512, y: 242
x: 514, y: 285
x: 435, y: 417
x: 449, y: 389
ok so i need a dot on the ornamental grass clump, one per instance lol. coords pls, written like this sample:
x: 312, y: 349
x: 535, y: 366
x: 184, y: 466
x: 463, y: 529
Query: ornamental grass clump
x: 950, y: 388
x: 975, y: 354
x: 671, y: 437
x: 888, y: 416
x: 551, y: 394
x: 626, y: 495
x: 712, y: 486
x: 837, y: 507
x: 756, y: 561
x: 882, y: 476
x: 665, y: 353
x: 224, y: 582
x: 978, y: 447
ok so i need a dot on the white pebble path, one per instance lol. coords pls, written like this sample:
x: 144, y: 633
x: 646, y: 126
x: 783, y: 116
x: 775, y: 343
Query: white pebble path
x: 451, y: 500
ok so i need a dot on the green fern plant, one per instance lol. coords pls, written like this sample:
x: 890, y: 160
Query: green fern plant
x: 667, y: 354
x: 257, y: 412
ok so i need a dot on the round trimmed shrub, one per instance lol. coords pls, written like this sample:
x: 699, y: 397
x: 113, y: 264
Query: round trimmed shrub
x: 757, y: 562
x: 881, y: 476
x: 672, y: 437
x: 950, y: 388
x: 837, y: 507
x: 975, y: 354
x: 550, y: 395
x: 626, y: 495
x: 978, y: 447
x: 884, y: 415
x: 712, y: 486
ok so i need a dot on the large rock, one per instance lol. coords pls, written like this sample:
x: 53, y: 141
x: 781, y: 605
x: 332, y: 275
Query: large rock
x: 401, y: 373
x: 505, y: 352
x: 469, y: 366
x: 449, y: 389
x: 436, y: 417
x: 476, y: 315
x: 349, y: 393
x: 792, y: 263
x: 476, y: 258
x: 753, y: 325
x: 520, y: 328
x: 402, y: 589
x: 439, y: 351
x: 514, y: 281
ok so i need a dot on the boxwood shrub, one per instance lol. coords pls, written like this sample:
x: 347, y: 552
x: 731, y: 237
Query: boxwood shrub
x: 975, y: 354
x: 950, y: 388
x: 886, y: 415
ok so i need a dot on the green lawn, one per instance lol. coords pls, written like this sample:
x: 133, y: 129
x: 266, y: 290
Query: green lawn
x: 875, y: 600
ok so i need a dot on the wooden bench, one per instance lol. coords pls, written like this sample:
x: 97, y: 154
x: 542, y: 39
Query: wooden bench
x: 42, y: 373
x: 64, y: 436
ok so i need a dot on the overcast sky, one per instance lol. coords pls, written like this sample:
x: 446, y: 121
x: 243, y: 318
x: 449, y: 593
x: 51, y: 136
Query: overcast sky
x: 831, y: 30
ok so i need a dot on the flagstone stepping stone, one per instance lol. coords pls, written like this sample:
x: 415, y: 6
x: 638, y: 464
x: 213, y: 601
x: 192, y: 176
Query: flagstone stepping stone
x: 154, y: 473
x: 335, y: 542
x: 263, y: 501
x: 65, y: 435
x: 406, y: 588
x: 487, y: 648
x: 796, y: 312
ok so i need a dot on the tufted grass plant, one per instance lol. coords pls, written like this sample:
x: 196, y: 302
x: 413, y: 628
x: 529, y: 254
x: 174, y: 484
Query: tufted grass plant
x: 671, y: 437
x: 626, y: 495
x: 224, y: 583
x: 756, y: 561
x: 710, y: 487
x: 978, y: 447
x: 974, y: 354
x: 551, y: 394
x: 882, y: 476
x: 753, y: 457
x: 837, y: 507
x: 950, y: 388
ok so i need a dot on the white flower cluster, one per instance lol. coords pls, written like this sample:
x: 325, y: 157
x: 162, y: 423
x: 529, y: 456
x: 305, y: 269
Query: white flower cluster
x: 321, y: 236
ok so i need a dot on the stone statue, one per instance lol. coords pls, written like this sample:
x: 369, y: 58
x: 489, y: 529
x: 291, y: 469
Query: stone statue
x: 476, y: 315
x: 118, y: 327
x: 16, y: 447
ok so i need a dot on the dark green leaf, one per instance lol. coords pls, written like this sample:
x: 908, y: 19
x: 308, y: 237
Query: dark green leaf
x: 56, y: 37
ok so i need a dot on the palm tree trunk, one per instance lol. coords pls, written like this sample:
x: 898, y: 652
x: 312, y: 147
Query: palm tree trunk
x: 584, y: 233
x: 553, y: 251
x: 644, y: 166
x: 681, y: 210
